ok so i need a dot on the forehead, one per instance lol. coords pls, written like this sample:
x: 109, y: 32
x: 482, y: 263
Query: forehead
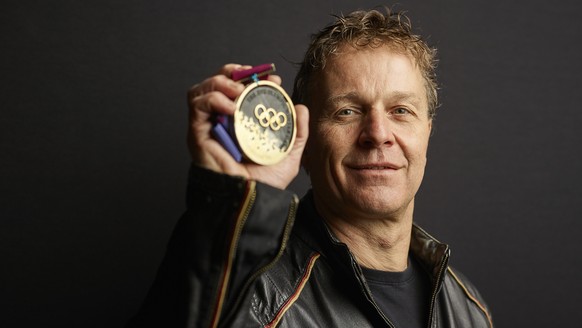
x: 367, y: 62
x: 370, y: 72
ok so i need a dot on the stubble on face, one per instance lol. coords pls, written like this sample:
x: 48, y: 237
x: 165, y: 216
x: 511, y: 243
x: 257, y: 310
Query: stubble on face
x: 369, y: 134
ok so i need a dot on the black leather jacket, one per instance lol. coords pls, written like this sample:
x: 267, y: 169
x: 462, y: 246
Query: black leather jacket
x: 248, y: 255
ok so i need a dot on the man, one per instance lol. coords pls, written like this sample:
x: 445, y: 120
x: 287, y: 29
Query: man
x: 248, y: 254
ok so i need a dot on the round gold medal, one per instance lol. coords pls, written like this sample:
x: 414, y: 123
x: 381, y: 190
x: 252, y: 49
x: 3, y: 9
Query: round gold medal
x: 264, y: 123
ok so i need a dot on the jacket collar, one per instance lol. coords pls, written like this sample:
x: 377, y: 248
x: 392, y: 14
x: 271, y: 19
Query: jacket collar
x: 312, y: 229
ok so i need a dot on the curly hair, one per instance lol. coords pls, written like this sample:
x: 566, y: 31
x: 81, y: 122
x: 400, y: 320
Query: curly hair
x: 368, y: 29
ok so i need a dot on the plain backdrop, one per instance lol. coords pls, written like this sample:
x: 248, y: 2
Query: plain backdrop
x: 93, y: 160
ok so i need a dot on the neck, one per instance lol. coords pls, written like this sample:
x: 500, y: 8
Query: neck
x: 380, y: 244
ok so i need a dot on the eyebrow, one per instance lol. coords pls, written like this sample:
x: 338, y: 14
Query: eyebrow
x: 397, y: 96
x: 408, y: 96
x: 333, y: 100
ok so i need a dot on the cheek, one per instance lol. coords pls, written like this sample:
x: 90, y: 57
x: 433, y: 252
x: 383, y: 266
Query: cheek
x: 414, y: 146
x: 415, y: 152
x: 414, y: 141
x: 423, y: 140
x: 322, y: 147
x: 332, y: 141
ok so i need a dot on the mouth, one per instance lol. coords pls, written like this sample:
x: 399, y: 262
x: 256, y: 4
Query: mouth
x: 375, y: 166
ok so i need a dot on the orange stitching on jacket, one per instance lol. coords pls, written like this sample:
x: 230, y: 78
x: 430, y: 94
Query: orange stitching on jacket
x: 249, y: 194
x: 295, y: 295
x: 473, y: 298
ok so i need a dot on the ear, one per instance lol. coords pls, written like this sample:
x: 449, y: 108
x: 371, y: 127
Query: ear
x: 430, y: 127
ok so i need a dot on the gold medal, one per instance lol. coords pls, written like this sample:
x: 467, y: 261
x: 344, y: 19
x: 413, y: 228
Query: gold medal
x: 264, y: 122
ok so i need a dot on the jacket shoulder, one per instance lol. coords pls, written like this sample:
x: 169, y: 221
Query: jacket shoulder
x: 461, y: 295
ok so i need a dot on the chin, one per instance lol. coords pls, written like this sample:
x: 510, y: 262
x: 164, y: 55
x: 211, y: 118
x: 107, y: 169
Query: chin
x: 378, y: 205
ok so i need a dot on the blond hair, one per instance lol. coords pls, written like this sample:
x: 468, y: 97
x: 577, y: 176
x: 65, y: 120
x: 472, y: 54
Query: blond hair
x: 368, y: 29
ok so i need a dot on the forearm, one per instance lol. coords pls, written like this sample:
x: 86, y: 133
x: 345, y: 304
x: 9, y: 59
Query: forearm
x: 231, y: 229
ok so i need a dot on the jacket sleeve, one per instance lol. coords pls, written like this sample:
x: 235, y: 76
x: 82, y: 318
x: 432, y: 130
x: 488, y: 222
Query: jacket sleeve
x: 232, y: 229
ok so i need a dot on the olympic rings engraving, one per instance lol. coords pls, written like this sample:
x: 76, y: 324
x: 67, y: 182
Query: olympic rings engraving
x: 270, y: 117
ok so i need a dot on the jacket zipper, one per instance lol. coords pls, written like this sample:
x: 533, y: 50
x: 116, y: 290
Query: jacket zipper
x: 438, y: 283
x: 367, y: 292
x: 248, y: 203
x: 284, y: 238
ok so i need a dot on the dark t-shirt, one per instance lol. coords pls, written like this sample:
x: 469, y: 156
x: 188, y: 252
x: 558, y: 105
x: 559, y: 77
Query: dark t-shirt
x: 404, y: 297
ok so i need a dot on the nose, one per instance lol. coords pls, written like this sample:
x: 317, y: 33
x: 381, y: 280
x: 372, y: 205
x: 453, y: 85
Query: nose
x: 376, y: 130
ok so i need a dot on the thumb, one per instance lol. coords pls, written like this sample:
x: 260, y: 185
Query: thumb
x: 302, y: 131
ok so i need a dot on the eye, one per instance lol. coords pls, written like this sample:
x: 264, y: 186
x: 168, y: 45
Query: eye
x: 346, y: 112
x: 401, y: 111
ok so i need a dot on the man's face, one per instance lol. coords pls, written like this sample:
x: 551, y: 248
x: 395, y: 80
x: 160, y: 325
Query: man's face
x: 369, y: 132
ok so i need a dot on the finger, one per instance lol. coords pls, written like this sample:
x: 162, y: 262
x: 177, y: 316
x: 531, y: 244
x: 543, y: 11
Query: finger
x: 275, y: 78
x: 219, y: 83
x: 211, y: 103
x: 302, y: 129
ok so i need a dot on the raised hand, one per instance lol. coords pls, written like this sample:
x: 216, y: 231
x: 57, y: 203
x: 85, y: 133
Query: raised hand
x: 216, y: 95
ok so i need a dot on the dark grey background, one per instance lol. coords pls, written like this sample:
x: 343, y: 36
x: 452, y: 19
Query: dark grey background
x: 93, y: 157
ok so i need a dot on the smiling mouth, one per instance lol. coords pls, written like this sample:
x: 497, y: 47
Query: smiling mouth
x: 375, y: 167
